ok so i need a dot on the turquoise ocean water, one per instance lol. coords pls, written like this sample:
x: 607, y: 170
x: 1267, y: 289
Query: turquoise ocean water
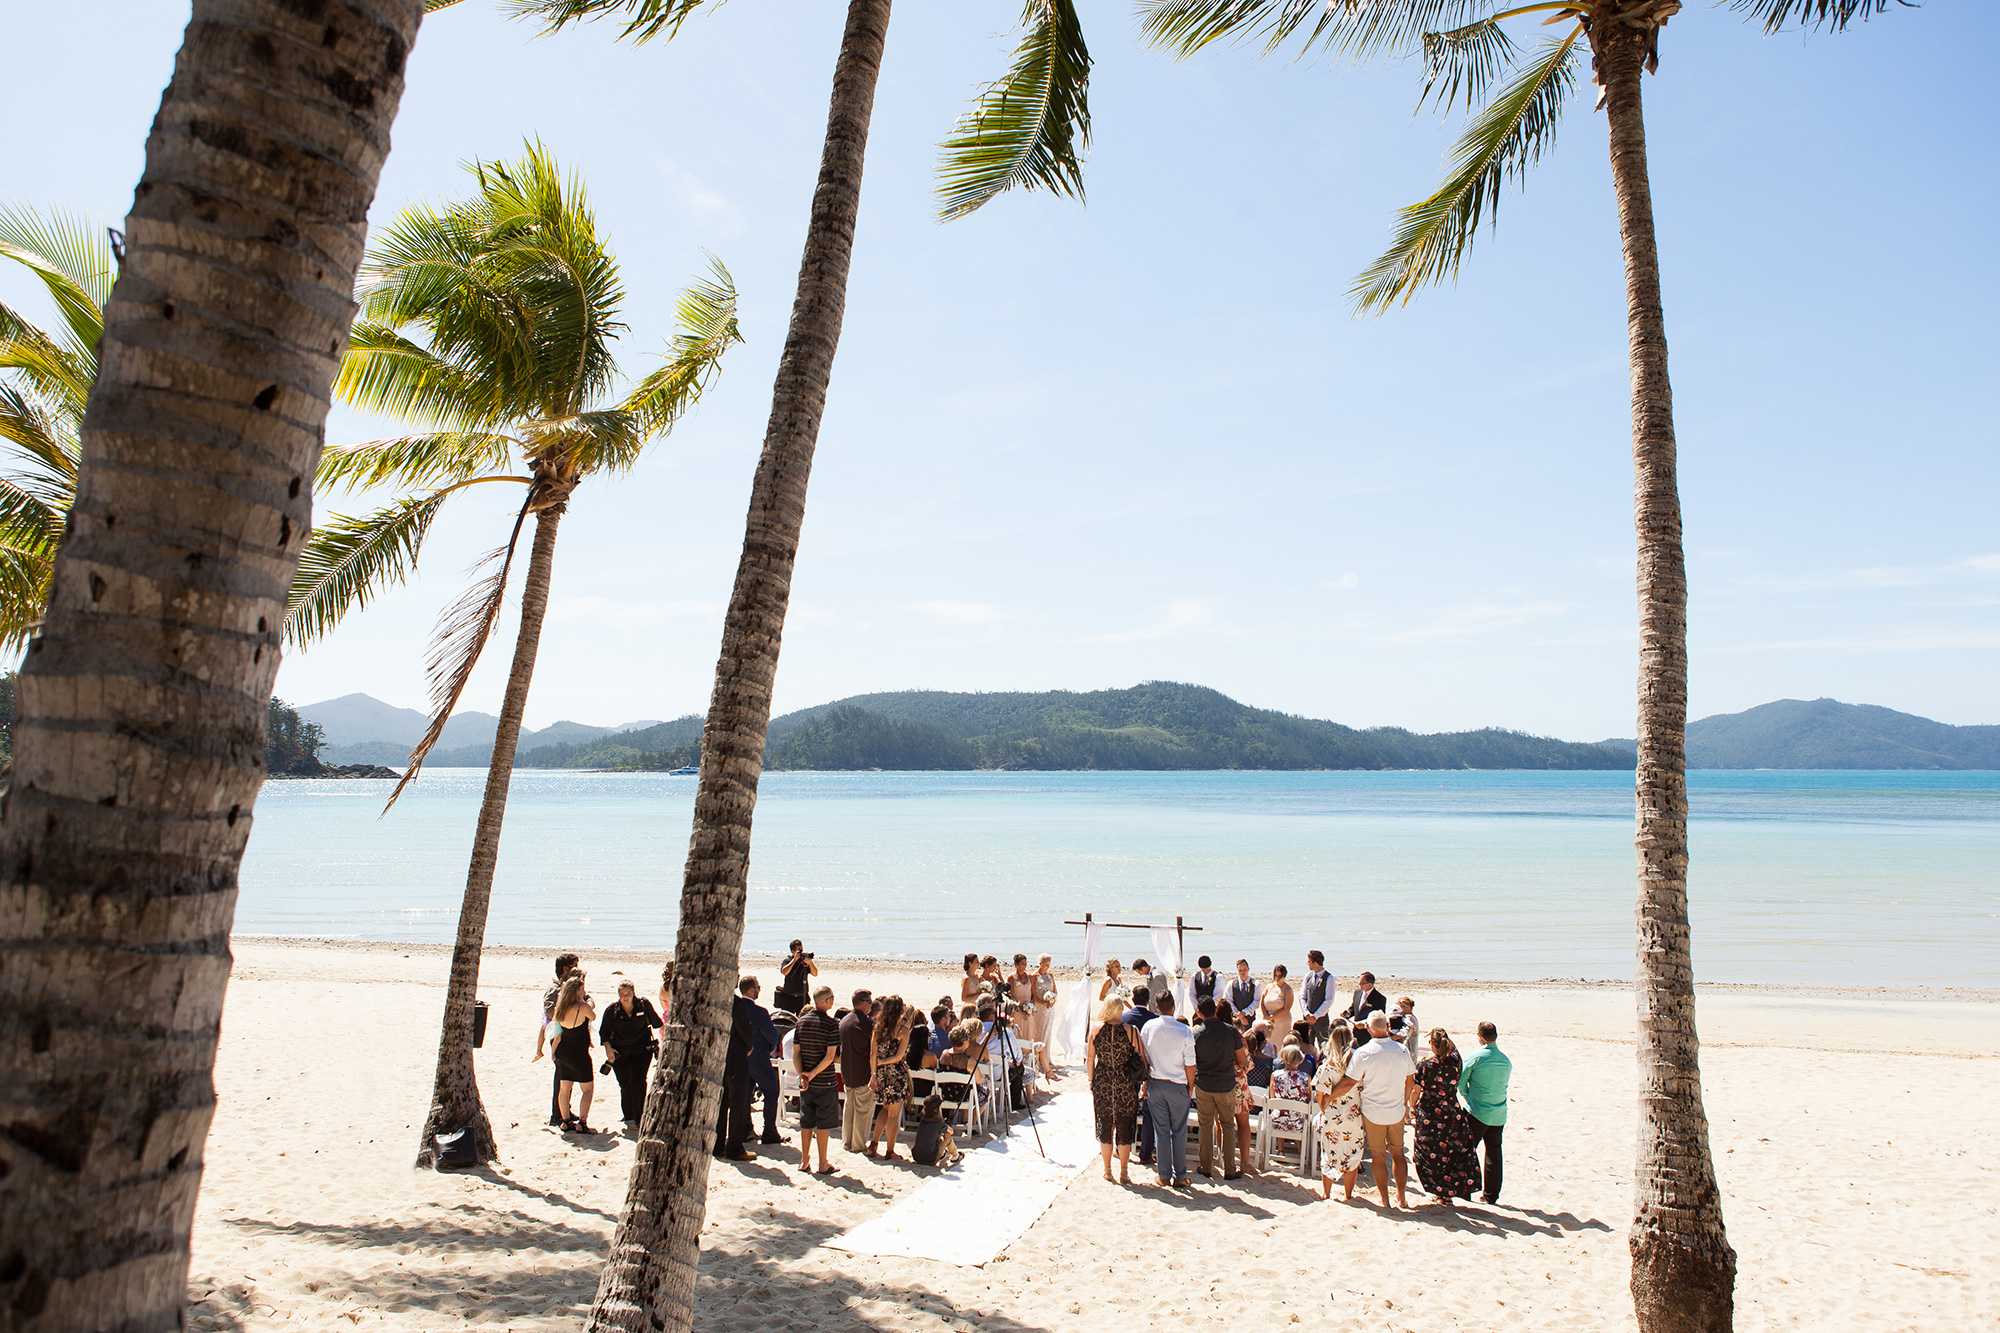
x: 1798, y: 877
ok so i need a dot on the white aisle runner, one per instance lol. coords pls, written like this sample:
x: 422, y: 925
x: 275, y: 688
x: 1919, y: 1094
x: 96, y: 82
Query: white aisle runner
x: 969, y: 1214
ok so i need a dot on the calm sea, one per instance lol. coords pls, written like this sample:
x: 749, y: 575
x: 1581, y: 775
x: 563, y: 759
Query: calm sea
x: 1819, y: 878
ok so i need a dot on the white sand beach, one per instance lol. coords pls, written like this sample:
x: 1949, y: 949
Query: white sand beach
x: 1847, y: 1129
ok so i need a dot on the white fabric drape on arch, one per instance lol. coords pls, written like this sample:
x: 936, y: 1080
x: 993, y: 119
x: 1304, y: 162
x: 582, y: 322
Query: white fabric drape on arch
x: 1167, y: 944
x: 1070, y: 1033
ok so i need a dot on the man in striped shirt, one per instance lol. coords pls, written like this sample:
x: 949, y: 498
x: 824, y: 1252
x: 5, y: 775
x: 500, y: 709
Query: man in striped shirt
x: 815, y: 1046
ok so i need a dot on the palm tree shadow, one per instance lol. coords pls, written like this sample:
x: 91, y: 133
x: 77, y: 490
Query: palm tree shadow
x: 464, y: 1229
x: 1472, y: 1221
x: 494, y: 1177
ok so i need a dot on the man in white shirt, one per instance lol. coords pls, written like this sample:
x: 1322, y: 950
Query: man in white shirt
x: 1388, y: 1079
x: 1169, y: 1045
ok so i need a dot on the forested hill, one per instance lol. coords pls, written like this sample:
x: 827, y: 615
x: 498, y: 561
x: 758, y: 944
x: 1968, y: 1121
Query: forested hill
x: 1825, y: 733
x: 1158, y: 725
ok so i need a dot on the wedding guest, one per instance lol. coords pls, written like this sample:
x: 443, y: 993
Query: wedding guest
x: 1218, y: 1055
x: 1447, y: 1156
x: 1242, y: 993
x: 566, y: 963
x: 889, y: 1076
x: 1367, y: 1000
x: 1343, y: 1140
x: 667, y: 991
x: 732, y: 1116
x: 1108, y: 1058
x: 1169, y: 1047
x: 919, y: 1054
x: 626, y: 1033
x: 815, y: 1047
x: 1044, y: 1012
x: 1263, y: 1055
x: 1388, y: 1081
x: 571, y: 1018
x: 1317, y: 994
x: 1136, y: 1017
x: 857, y: 1037
x: 1226, y: 1016
x: 765, y: 1041
x: 1484, y: 1084
x: 1289, y: 1084
x: 942, y: 1023
x: 1403, y: 1023
x: 795, y: 979
x: 933, y: 1144
x: 1201, y: 986
x: 1275, y: 1005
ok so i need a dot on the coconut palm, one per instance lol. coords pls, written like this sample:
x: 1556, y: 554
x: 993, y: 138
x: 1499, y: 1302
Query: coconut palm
x: 140, y: 745
x: 44, y: 383
x: 489, y: 322
x: 1028, y: 129
x: 1683, y: 1268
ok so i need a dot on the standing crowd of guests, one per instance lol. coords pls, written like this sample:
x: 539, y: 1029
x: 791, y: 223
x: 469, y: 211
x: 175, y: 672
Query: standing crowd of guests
x: 1350, y: 1077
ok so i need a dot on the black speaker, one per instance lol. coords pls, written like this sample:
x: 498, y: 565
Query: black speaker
x: 478, y: 1023
x: 454, y: 1151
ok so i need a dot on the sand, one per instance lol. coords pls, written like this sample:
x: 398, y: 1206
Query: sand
x: 1848, y: 1129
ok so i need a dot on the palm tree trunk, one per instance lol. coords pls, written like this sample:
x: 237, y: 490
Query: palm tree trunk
x: 648, y: 1283
x: 1683, y: 1269
x: 455, y: 1102
x: 140, y: 747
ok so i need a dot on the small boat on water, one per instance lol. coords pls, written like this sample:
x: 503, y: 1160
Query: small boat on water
x: 691, y: 771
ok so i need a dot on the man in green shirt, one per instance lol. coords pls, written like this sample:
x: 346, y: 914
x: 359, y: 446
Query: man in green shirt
x: 1483, y: 1084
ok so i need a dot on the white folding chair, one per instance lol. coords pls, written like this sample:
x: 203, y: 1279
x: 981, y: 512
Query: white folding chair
x: 973, y: 1105
x: 922, y: 1083
x: 1268, y: 1133
x: 788, y: 1090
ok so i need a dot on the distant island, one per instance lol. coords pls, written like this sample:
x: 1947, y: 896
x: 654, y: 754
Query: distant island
x: 1159, y: 725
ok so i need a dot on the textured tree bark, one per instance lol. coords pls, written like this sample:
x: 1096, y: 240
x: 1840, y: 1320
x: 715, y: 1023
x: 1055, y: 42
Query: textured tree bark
x: 1683, y: 1269
x: 139, y: 750
x: 649, y: 1281
x: 455, y: 1101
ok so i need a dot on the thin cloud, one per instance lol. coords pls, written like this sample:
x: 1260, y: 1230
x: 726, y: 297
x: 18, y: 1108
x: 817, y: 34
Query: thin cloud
x: 1348, y: 580
x: 1181, y: 615
x: 1464, y: 622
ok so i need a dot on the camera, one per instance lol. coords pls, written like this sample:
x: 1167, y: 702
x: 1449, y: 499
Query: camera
x: 604, y: 1068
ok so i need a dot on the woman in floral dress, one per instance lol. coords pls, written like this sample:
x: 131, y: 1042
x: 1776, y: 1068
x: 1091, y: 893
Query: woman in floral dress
x: 1342, y: 1140
x: 1447, y: 1160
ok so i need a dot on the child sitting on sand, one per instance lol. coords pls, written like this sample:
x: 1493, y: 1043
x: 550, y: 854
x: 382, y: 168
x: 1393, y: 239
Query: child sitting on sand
x: 934, y: 1145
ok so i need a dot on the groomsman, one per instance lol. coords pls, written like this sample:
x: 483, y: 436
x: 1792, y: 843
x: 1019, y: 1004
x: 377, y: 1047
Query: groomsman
x: 1243, y: 991
x: 1202, y: 984
x: 1316, y: 995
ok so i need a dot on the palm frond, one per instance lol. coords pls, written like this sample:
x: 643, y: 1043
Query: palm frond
x: 1030, y: 129
x: 1827, y: 15
x: 431, y: 459
x: 47, y: 436
x: 1467, y: 58
x: 72, y: 257
x: 60, y: 376
x: 456, y: 644
x: 385, y: 372
x: 350, y: 559
x: 25, y: 575
x: 648, y: 18
x: 1507, y: 138
x: 1358, y: 29
x: 706, y: 316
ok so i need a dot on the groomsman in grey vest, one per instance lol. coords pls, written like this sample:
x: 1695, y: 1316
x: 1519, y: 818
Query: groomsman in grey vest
x: 1242, y: 992
x: 1316, y: 995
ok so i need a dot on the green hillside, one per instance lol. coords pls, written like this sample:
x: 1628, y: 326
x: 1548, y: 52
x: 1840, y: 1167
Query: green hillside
x: 1825, y: 733
x: 1158, y: 725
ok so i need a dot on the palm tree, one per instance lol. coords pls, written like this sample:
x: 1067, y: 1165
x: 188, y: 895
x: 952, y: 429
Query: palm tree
x: 516, y: 299
x: 140, y: 746
x: 44, y: 384
x: 1028, y: 129
x: 1683, y: 1268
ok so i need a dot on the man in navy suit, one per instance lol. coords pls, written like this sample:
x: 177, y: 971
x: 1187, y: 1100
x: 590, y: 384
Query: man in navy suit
x: 748, y: 1024
x: 1367, y: 1000
x: 765, y: 1044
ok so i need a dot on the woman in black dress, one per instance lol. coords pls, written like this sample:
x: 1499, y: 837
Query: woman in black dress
x: 1114, y: 1094
x: 573, y: 1017
x: 1447, y: 1161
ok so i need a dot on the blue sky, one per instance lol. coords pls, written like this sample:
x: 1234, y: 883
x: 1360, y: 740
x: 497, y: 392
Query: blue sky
x: 1077, y: 446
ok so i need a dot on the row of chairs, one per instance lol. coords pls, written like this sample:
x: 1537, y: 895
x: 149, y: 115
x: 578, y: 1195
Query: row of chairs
x: 983, y: 1106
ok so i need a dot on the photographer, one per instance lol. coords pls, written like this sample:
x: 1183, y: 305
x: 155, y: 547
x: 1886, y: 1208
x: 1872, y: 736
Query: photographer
x: 626, y: 1033
x: 797, y: 972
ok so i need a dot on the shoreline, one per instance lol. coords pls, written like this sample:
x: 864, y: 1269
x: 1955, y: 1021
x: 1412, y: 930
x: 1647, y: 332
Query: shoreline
x: 930, y: 966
